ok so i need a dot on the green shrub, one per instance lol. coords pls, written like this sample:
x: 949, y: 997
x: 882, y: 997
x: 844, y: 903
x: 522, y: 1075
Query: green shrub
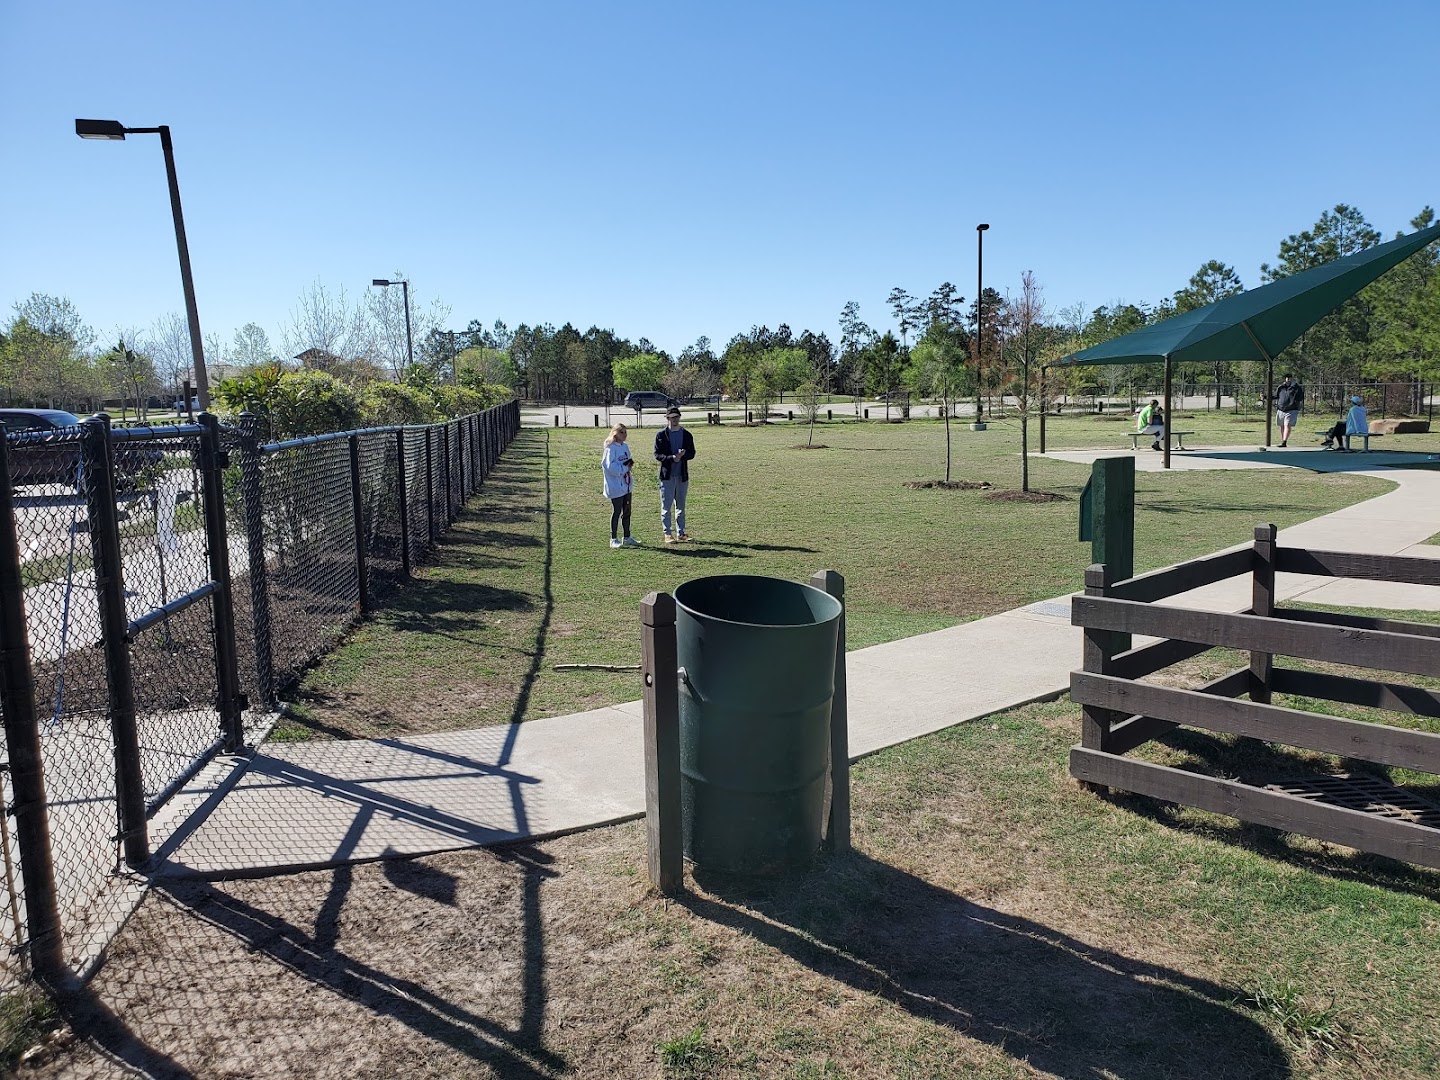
x: 383, y: 404
x: 291, y: 403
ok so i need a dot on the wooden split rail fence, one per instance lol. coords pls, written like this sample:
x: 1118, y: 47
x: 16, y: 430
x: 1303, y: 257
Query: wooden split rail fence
x: 1120, y: 713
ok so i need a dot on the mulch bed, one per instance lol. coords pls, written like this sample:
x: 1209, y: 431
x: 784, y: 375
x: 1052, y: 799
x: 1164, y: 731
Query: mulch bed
x: 951, y: 485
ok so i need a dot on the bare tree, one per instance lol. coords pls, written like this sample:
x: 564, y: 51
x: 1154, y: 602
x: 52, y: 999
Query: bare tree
x: 168, y: 343
x: 217, y: 359
x: 324, y: 321
x: 385, y: 313
x: 1026, y: 317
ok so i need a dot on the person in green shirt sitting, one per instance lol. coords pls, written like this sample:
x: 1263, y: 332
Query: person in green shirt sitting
x: 1152, y: 422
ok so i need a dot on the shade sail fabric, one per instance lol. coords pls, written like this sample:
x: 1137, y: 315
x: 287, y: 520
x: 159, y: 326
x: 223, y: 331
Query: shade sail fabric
x: 1276, y: 314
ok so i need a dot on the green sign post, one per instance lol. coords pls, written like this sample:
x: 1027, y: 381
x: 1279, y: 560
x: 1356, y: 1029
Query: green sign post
x: 1107, y: 518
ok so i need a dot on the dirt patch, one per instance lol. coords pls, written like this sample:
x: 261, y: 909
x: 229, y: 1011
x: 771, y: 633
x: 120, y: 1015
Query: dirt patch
x: 1027, y: 496
x: 950, y: 485
x: 815, y: 446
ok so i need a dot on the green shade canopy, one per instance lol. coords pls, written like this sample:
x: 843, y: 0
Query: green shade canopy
x: 1257, y: 324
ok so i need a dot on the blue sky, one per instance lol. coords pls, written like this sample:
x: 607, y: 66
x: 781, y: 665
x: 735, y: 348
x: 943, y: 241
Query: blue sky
x: 678, y: 169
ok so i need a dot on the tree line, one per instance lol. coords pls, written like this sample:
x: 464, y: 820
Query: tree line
x: 947, y: 348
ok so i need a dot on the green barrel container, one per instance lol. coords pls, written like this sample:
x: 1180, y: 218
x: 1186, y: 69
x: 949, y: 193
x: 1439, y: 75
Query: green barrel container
x: 758, y: 674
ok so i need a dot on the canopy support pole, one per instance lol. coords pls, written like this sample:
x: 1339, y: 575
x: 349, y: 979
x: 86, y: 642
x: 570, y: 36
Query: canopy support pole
x: 1269, y: 380
x: 1169, y: 417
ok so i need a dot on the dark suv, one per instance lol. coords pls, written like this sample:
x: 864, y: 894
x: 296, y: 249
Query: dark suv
x: 57, y: 461
x: 648, y: 399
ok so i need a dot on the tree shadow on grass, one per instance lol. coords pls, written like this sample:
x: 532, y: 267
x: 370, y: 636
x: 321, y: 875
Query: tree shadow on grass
x: 759, y: 547
x: 1045, y: 998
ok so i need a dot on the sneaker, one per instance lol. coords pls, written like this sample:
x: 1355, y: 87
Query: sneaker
x: 614, y: 543
x: 684, y: 536
x: 669, y: 539
x: 1154, y: 446
x: 1282, y: 442
x: 629, y: 541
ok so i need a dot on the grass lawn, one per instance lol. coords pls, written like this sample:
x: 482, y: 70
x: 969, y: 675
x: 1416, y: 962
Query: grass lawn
x: 526, y: 579
x: 994, y: 921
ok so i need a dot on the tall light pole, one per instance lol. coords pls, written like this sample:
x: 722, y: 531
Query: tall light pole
x: 409, y: 345
x: 979, y: 424
x: 115, y: 131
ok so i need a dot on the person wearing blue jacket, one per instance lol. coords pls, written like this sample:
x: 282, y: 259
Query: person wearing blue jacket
x: 1355, y: 423
x: 674, y: 447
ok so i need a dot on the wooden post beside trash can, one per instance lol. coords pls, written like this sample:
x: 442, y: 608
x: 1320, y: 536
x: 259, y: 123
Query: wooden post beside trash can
x: 658, y: 667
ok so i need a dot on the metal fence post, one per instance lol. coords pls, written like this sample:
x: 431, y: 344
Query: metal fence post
x: 659, y: 664
x: 429, y: 486
x: 250, y: 481
x: 213, y: 462
x: 461, y: 429
x: 450, y: 477
x: 837, y: 822
x: 22, y: 741
x: 404, y: 505
x: 99, y: 483
x: 357, y: 509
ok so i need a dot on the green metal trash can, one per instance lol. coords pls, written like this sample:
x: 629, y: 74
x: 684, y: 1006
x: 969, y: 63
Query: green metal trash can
x: 757, y: 659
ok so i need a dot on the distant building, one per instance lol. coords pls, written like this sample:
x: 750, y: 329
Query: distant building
x: 319, y: 359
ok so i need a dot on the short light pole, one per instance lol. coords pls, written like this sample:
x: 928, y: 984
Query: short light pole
x: 409, y: 345
x: 115, y: 131
x: 979, y: 424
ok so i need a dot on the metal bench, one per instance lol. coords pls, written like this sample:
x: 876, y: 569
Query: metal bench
x: 1136, y: 436
x: 1365, y: 438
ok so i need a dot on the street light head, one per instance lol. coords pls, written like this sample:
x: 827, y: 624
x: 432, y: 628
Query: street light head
x: 100, y: 129
x: 379, y: 281
x: 981, y: 228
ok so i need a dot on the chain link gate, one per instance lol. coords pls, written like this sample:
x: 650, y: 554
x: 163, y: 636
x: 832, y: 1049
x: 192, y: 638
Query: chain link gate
x: 154, y: 581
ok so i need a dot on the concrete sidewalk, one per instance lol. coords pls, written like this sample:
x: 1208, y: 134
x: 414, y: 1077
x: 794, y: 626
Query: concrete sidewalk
x: 310, y: 805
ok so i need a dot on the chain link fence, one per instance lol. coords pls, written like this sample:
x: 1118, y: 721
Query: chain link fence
x: 154, y: 583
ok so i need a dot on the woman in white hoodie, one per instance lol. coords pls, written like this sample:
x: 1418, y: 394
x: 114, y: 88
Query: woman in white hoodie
x: 615, y: 464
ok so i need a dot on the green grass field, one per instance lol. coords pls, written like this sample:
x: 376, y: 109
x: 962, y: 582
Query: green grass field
x: 995, y: 920
x: 526, y: 578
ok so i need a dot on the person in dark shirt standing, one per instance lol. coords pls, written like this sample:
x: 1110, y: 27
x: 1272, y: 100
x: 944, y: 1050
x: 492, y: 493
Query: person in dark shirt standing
x: 1289, y: 399
x: 674, y: 447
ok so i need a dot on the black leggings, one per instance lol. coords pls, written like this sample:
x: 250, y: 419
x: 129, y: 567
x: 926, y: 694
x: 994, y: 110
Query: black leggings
x: 620, y: 513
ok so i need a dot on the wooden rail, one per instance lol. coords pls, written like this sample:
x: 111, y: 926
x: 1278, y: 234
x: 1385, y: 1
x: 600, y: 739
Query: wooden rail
x: 1120, y: 714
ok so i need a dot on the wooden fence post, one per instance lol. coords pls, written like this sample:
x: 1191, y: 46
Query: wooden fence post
x: 1262, y: 602
x: 659, y: 666
x: 1100, y: 647
x: 837, y: 820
